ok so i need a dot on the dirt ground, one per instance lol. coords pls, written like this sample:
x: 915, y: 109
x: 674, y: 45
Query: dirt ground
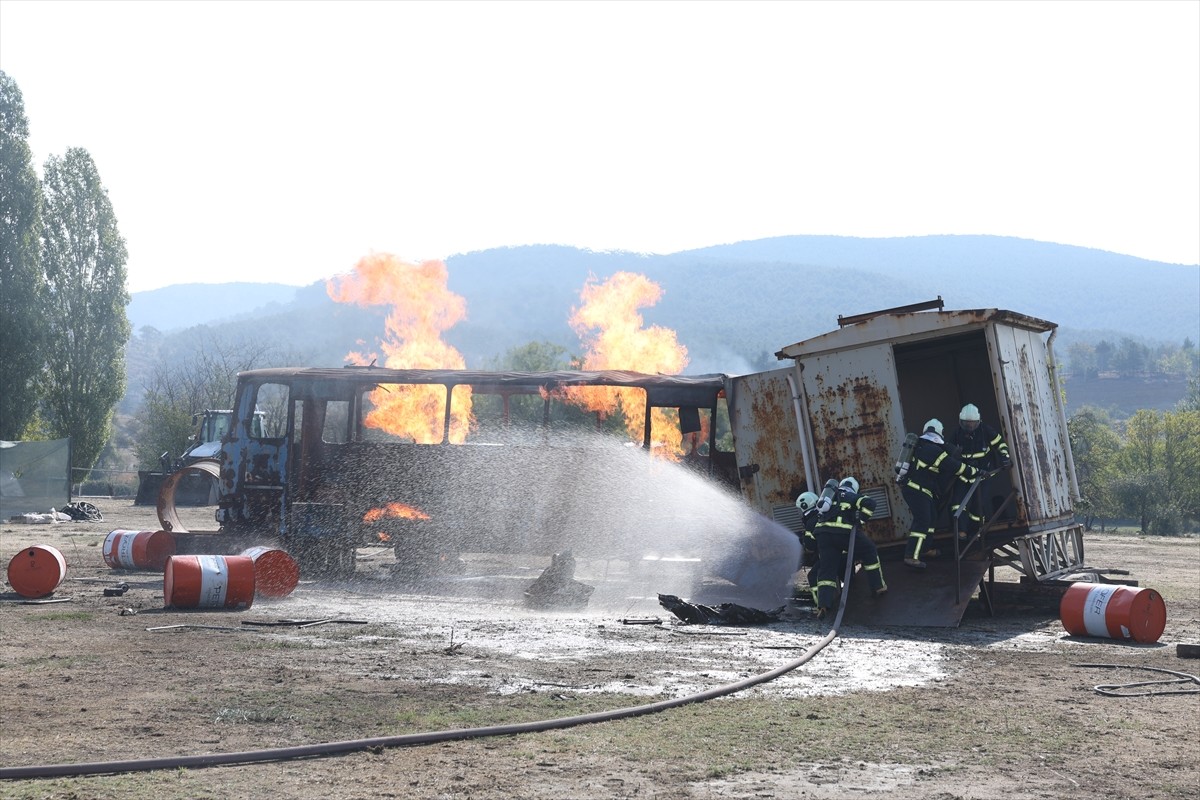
x: 999, y: 706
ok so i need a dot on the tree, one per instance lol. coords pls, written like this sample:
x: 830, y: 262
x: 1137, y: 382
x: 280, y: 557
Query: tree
x: 1157, y: 468
x: 1131, y: 357
x: 1082, y: 357
x: 1094, y: 445
x: 1104, y: 355
x: 22, y: 286
x: 83, y: 256
x: 533, y: 357
x: 1142, y: 480
x: 183, y: 384
x: 1181, y: 463
x: 1191, y: 400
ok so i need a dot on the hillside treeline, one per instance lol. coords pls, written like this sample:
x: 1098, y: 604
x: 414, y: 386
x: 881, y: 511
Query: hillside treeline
x: 1129, y: 358
x: 1139, y: 471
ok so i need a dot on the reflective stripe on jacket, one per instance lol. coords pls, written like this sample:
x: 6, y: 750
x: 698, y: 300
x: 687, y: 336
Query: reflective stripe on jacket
x: 932, y: 464
x: 847, y: 508
x: 978, y: 445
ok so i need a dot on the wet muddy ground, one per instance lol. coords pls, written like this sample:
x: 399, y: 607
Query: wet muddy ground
x: 995, y: 706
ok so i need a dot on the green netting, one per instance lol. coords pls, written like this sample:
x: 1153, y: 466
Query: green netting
x: 34, y: 477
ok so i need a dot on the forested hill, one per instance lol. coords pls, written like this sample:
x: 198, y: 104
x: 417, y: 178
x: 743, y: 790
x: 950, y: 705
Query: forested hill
x: 734, y: 305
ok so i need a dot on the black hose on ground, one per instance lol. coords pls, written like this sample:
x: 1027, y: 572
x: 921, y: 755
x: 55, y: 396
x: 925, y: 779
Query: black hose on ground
x: 412, y: 739
x: 1114, y: 689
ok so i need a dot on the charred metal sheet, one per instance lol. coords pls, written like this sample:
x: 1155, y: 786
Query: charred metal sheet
x: 925, y: 599
x: 168, y: 517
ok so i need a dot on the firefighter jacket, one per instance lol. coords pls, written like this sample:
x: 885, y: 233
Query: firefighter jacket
x: 848, y: 508
x: 983, y: 448
x: 809, y: 540
x: 933, y: 465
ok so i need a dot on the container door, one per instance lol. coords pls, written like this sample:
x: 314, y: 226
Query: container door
x: 1036, y: 427
x: 767, y: 444
x: 857, y: 425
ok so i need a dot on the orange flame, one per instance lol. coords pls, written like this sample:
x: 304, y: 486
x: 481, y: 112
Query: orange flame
x: 394, y: 511
x: 422, y: 309
x: 614, y: 337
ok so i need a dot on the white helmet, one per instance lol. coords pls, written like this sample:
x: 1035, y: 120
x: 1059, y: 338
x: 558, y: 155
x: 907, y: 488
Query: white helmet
x: 806, y: 500
x: 849, y: 483
x: 934, y: 425
x: 969, y: 413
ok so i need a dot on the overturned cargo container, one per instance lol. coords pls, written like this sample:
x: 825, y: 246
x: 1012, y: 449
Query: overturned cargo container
x: 852, y: 394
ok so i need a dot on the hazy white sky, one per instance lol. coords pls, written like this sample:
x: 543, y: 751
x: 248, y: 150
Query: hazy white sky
x: 281, y: 141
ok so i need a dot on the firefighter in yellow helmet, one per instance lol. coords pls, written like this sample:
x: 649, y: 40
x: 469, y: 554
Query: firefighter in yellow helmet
x: 981, y: 446
x: 932, y: 464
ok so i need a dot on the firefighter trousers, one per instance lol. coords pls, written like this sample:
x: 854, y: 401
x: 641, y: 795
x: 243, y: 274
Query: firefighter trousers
x: 923, y: 509
x: 832, y: 544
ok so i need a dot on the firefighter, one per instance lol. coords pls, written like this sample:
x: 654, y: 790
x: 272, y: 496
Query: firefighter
x: 981, y: 446
x: 847, y: 514
x: 932, y: 464
x: 807, y: 503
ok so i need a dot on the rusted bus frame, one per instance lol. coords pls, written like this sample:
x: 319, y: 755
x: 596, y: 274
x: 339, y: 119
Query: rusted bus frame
x: 662, y: 391
x: 258, y: 475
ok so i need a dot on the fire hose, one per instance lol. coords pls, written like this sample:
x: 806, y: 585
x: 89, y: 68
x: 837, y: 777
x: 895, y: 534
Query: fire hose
x: 413, y: 739
x: 1125, y: 689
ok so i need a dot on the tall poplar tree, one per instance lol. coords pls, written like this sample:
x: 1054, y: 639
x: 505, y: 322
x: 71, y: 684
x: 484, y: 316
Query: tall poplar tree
x: 83, y: 256
x: 22, y: 286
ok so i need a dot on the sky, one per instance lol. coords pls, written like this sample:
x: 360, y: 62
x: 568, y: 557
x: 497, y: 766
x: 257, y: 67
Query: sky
x: 282, y: 141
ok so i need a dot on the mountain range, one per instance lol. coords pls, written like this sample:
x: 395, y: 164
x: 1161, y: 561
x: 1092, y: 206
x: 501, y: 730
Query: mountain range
x: 732, y: 305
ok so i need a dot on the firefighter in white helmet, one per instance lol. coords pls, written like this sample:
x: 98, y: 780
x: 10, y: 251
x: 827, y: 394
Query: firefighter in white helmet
x: 981, y: 446
x: 932, y: 464
x: 848, y: 513
x: 807, y: 503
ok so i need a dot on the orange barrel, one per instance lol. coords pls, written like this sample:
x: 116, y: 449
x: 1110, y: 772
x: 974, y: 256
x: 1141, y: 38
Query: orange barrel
x: 209, y: 582
x: 37, y: 571
x: 275, y: 572
x: 1113, y: 612
x: 138, y: 549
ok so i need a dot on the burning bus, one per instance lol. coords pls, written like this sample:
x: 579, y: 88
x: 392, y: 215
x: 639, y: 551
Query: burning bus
x: 439, y: 462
